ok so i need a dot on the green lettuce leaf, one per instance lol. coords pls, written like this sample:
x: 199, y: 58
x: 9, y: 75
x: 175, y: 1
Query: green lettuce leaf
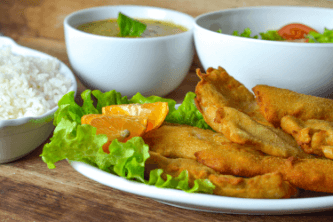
x: 271, y: 35
x: 129, y: 158
x: 246, y: 33
x: 68, y: 109
x: 314, y: 37
x: 187, y: 113
x: 138, y: 98
x: 108, y: 98
x: 130, y: 27
x: 73, y: 142
x: 325, y: 37
x: 76, y: 142
x: 180, y: 182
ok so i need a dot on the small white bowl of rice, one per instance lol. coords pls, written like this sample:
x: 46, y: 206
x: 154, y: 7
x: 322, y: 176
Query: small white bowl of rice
x: 31, y: 84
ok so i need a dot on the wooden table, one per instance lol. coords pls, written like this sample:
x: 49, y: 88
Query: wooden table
x: 32, y: 192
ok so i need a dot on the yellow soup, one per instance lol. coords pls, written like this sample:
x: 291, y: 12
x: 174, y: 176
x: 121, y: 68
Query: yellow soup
x: 109, y: 27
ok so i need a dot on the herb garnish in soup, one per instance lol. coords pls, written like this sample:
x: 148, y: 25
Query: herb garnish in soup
x: 125, y: 26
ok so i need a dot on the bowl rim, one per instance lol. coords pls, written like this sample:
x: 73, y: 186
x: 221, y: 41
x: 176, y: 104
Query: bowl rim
x: 251, y: 40
x: 48, y: 114
x: 159, y: 38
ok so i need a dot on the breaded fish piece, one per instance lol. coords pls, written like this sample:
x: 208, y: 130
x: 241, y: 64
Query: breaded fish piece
x: 314, y: 136
x: 234, y: 159
x: 266, y: 186
x: 181, y: 141
x: 218, y: 89
x: 242, y: 129
x: 275, y: 103
x: 229, y: 108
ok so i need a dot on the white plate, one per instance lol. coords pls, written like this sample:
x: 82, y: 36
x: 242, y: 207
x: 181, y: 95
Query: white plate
x: 207, y: 202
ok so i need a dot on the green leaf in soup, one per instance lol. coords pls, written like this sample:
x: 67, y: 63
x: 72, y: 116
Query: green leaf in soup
x: 130, y: 27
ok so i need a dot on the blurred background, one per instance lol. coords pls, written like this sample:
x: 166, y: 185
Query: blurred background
x: 44, y: 18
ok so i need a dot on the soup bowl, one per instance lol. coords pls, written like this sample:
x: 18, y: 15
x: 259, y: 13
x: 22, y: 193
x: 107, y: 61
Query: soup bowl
x: 301, y: 67
x: 151, y: 66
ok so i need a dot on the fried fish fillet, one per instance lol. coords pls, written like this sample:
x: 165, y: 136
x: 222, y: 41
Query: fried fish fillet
x: 181, y: 141
x: 234, y: 159
x: 314, y: 136
x: 229, y: 108
x: 218, y: 89
x: 266, y: 186
x: 242, y: 129
x: 275, y: 103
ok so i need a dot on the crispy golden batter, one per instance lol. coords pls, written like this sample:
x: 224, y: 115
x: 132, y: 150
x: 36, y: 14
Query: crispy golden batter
x: 181, y: 141
x: 266, y: 186
x: 314, y: 136
x: 228, y: 107
x: 234, y: 159
x: 275, y: 103
x: 218, y: 89
x: 242, y: 129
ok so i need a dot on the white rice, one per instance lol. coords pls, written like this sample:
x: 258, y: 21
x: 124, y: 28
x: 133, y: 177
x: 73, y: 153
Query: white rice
x: 29, y: 86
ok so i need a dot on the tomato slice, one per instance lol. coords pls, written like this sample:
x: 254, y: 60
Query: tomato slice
x: 294, y: 31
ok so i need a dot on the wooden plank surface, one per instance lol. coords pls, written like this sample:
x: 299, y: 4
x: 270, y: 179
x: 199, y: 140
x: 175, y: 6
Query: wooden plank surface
x: 29, y: 191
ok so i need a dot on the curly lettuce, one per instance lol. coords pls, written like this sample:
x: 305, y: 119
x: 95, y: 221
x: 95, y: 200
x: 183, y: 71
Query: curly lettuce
x: 313, y: 37
x: 76, y: 142
x: 246, y: 34
x: 325, y: 37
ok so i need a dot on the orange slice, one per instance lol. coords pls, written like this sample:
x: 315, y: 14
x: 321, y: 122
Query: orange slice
x: 154, y: 112
x: 121, y: 127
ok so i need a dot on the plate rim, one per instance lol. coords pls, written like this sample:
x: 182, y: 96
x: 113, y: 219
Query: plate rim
x: 206, y: 202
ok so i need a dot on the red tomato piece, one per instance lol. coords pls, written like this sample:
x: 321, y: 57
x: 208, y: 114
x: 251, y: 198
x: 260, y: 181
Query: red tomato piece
x: 294, y: 31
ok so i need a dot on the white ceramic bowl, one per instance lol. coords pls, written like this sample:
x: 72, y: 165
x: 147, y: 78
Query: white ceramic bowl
x: 302, y: 67
x: 19, y: 137
x: 151, y: 66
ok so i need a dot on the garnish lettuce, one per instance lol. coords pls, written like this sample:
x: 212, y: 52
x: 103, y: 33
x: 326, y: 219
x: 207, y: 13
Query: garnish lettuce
x: 272, y: 35
x: 314, y: 37
x: 77, y: 142
x: 246, y: 33
x: 269, y: 35
x: 187, y: 113
x: 129, y: 27
x: 325, y: 37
